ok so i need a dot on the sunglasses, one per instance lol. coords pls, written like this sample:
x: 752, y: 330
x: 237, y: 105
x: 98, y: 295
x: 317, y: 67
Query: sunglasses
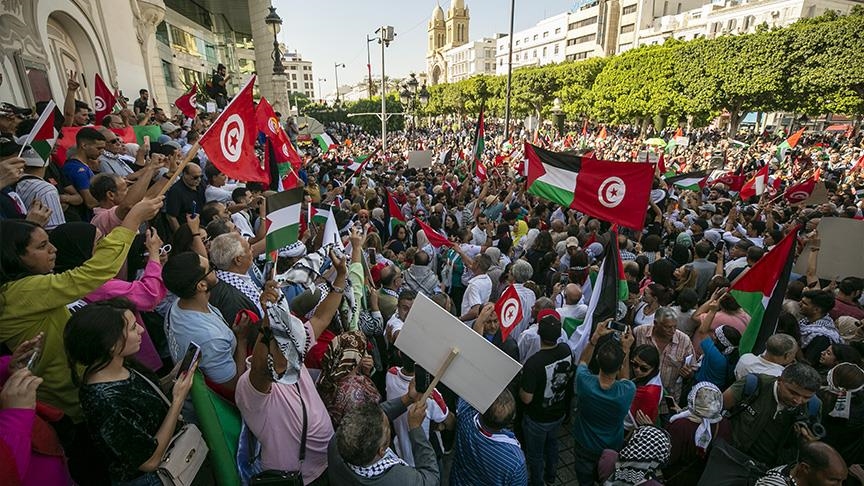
x: 643, y: 368
x: 195, y: 178
x: 210, y: 269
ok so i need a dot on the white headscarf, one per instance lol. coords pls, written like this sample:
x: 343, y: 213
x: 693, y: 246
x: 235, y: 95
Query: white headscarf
x: 705, y: 401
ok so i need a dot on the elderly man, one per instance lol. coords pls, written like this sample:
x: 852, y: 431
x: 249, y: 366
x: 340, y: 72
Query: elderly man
x: 479, y: 289
x: 391, y: 281
x: 520, y: 273
x: 780, y: 351
x: 420, y: 277
x: 818, y: 464
x: 573, y: 312
x: 674, y: 346
x: 115, y: 159
x: 232, y: 256
x: 186, y: 196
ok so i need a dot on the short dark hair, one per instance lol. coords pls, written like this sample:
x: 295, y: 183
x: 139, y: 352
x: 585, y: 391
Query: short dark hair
x: 421, y: 258
x: 820, y: 298
x: 80, y: 105
x: 210, y: 171
x: 88, y: 134
x: 703, y: 249
x: 181, y: 274
x: 238, y: 193
x: 407, y: 295
x: 850, y: 285
x: 501, y: 413
x: 610, y: 356
x: 142, y: 91
x: 754, y: 253
x: 209, y: 212
x: 103, y: 183
x: 357, y: 434
x: 802, y: 375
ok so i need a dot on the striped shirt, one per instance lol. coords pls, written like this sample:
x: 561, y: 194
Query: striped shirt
x: 33, y: 188
x: 481, y: 457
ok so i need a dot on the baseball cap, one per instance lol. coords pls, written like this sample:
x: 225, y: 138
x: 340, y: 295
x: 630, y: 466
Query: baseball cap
x: 549, y: 326
x: 32, y: 158
x: 708, y: 207
x: 169, y: 127
x: 8, y: 109
x: 572, y: 241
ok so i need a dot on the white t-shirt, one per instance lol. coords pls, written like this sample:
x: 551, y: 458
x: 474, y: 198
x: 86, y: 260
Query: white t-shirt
x: 478, y: 292
x: 436, y: 411
x: 750, y: 363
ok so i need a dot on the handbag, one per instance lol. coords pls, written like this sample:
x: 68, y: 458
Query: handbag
x: 185, y: 454
x: 274, y: 477
x: 727, y: 466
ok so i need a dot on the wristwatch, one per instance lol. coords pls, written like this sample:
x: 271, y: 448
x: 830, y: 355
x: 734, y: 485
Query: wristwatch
x: 338, y: 290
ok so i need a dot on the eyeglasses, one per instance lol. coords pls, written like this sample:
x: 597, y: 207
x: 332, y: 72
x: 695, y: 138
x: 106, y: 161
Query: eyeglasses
x: 643, y: 368
x: 210, y: 269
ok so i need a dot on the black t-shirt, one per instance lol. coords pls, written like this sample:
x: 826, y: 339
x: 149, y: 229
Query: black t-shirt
x: 179, y: 199
x: 548, y: 374
x: 140, y: 106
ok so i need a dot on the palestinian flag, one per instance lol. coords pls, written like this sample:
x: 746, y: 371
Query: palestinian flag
x: 789, y: 143
x: 325, y: 142
x: 43, y: 135
x: 320, y: 213
x: 394, y: 216
x: 283, y: 220
x: 479, y: 142
x: 552, y: 175
x: 737, y: 144
x: 692, y: 181
x: 360, y: 162
x: 608, y: 289
x: 760, y: 292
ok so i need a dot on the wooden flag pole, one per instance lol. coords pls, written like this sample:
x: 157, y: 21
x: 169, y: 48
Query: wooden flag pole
x: 441, y: 370
x: 189, y: 156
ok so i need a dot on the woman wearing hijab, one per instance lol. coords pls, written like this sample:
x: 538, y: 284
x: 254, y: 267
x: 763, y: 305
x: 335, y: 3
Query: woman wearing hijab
x: 645, y: 374
x: 75, y: 243
x: 717, y: 345
x: 693, y: 431
x: 344, y: 382
x: 640, y: 460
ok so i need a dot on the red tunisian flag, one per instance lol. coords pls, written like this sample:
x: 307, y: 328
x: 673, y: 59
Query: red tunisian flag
x: 186, y: 103
x: 435, y: 238
x: 509, y: 310
x: 617, y: 192
x: 230, y: 142
x: 797, y: 193
x: 287, y: 159
x: 103, y: 101
x: 755, y: 186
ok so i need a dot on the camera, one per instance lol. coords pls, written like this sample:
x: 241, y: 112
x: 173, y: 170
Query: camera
x: 815, y: 428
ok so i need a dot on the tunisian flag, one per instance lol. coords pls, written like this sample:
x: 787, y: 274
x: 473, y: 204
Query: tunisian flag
x: 103, y: 101
x: 435, y: 238
x: 230, y: 142
x: 280, y: 152
x: 800, y: 192
x: 509, y: 310
x: 186, y: 103
x: 617, y: 192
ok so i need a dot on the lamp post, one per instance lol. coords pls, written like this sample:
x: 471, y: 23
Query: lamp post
x: 275, y: 22
x: 320, y: 97
x: 411, y: 99
x: 385, y: 37
x: 369, y: 61
x: 336, y: 67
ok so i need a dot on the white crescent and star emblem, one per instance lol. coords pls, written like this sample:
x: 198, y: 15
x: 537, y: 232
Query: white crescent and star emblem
x: 193, y: 100
x: 611, y: 192
x: 285, y: 150
x: 509, y: 312
x: 273, y: 125
x: 99, y: 104
x: 798, y: 195
x: 231, y: 137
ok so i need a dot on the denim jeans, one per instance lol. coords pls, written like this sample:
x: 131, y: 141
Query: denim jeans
x: 541, y: 449
x: 149, y: 479
x: 585, y: 465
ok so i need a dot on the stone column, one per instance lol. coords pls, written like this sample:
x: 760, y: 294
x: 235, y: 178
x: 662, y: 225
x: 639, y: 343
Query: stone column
x: 274, y: 88
x: 148, y: 15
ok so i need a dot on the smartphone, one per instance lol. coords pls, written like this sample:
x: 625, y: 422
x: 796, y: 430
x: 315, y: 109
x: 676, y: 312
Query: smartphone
x: 670, y: 403
x: 617, y: 326
x: 372, y: 258
x: 422, y: 378
x: 194, y: 208
x: 34, y: 358
x: 721, y: 245
x: 192, y: 353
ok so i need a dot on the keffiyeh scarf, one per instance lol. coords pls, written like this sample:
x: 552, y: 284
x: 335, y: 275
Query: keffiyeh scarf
x: 647, y: 450
x: 383, y: 465
x: 705, y: 402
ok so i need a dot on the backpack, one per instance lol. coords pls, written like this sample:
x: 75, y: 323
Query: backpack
x: 751, y: 392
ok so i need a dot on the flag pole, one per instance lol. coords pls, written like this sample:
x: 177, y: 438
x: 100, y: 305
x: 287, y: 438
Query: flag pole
x: 189, y: 156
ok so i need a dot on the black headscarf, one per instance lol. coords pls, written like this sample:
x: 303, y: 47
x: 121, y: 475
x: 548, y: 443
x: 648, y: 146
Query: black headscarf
x: 74, y: 242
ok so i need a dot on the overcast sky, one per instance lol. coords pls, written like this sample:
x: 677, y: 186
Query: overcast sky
x: 334, y: 31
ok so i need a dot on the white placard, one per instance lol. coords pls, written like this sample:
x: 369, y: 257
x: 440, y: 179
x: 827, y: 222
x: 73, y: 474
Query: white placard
x: 682, y: 141
x: 211, y: 107
x: 478, y: 374
x: 419, y: 159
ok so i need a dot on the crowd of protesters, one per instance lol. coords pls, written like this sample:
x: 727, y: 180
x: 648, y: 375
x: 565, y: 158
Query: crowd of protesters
x: 104, y: 284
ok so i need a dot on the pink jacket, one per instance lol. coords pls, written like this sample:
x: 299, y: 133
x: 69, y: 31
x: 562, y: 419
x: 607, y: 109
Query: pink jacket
x: 16, y: 426
x: 144, y: 294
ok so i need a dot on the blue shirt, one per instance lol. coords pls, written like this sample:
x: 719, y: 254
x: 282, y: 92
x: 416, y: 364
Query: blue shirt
x: 599, y: 420
x: 485, y: 458
x: 208, y: 330
x: 78, y: 173
x: 715, y: 366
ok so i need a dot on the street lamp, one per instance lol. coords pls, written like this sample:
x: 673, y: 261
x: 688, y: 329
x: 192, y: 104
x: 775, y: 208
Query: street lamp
x: 275, y: 22
x: 411, y: 99
x: 320, y: 97
x: 336, y: 71
x: 386, y: 34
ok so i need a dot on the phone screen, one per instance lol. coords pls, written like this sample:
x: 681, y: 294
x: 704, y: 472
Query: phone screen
x: 191, y: 355
x: 421, y: 379
x: 194, y: 208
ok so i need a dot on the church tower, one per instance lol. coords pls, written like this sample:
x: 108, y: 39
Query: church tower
x: 457, y: 24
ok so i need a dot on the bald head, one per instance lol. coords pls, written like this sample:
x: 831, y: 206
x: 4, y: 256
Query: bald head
x: 819, y: 463
x: 572, y: 294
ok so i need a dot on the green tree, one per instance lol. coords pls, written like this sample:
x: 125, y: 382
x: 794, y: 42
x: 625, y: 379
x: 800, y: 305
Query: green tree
x: 372, y: 123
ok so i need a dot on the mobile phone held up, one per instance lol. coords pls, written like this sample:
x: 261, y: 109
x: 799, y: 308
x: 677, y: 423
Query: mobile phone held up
x: 192, y: 354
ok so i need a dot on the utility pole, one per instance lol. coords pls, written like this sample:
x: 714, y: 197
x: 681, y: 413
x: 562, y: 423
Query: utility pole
x: 385, y: 36
x: 509, y: 74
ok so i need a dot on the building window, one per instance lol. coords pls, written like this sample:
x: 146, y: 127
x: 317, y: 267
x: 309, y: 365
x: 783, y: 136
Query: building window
x: 544, y: 51
x: 627, y: 28
x: 546, y: 34
x: 162, y: 33
x: 629, y: 9
x: 168, y: 74
x: 581, y: 40
x: 535, y: 54
x: 558, y: 30
x: 582, y: 23
x: 517, y: 57
x: 535, y: 36
x: 294, y: 85
x: 517, y: 42
x: 294, y: 76
x: 556, y: 49
x: 577, y: 56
